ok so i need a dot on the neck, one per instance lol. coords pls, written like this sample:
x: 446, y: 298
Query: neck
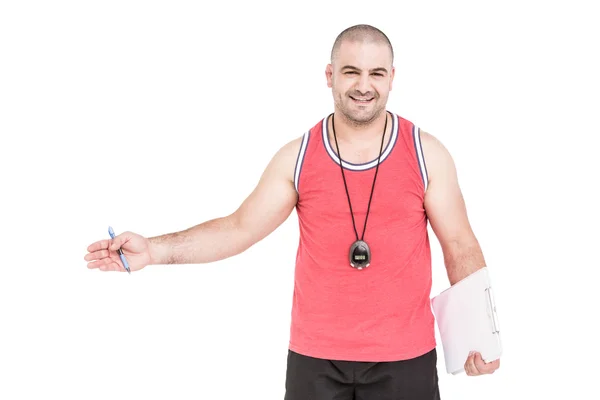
x: 353, y: 131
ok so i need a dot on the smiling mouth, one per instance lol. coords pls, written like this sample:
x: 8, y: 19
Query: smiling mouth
x: 359, y: 100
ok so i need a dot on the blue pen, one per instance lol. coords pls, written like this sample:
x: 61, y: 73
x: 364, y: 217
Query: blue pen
x: 123, y: 259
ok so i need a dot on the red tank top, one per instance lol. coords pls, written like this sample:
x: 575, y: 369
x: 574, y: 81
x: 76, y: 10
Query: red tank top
x: 382, y: 312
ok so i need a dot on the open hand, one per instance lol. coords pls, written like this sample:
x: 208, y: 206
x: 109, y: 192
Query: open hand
x: 103, y: 254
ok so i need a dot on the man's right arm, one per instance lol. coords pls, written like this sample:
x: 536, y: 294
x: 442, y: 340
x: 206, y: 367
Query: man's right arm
x: 267, y: 207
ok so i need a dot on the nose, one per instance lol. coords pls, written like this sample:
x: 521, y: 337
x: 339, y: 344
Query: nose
x: 363, y: 85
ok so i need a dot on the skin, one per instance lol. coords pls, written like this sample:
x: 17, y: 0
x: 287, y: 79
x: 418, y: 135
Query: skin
x: 360, y: 70
x: 353, y: 76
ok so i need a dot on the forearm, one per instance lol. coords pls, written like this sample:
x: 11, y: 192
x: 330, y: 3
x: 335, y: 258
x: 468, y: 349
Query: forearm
x: 462, y: 258
x: 209, y: 241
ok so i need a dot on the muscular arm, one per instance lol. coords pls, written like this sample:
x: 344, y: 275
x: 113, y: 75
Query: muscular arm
x: 446, y: 210
x: 267, y: 207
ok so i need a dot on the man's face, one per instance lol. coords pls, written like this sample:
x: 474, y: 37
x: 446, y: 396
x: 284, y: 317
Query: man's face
x: 361, y: 78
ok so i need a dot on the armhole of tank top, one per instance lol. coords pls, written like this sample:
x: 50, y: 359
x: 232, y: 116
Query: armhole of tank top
x: 420, y: 157
x: 300, y: 160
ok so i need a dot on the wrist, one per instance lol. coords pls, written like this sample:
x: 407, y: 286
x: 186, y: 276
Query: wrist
x: 156, y: 250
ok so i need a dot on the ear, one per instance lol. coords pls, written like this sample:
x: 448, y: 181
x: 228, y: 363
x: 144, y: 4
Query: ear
x: 392, y: 74
x: 329, y: 75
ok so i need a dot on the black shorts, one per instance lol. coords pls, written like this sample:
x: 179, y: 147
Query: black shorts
x: 309, y: 378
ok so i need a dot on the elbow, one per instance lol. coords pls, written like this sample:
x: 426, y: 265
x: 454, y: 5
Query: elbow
x: 241, y: 233
x: 460, y: 243
x: 462, y: 258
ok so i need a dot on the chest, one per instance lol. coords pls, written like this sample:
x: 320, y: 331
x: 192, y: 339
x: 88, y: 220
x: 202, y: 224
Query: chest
x: 393, y: 195
x: 358, y: 152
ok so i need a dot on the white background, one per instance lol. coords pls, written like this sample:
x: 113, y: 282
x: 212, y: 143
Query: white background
x: 142, y: 114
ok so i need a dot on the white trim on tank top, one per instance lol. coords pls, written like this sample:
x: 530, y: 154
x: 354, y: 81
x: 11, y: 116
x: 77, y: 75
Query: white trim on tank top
x: 300, y: 159
x: 416, y: 133
x: 419, y: 151
x: 367, y: 165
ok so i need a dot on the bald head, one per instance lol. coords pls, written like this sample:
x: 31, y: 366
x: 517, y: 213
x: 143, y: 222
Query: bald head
x: 361, y: 33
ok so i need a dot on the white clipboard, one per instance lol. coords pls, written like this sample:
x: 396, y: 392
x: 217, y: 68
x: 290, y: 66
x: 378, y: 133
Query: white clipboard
x: 467, y: 321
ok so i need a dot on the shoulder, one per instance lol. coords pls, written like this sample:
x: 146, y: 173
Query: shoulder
x: 284, y: 160
x: 293, y: 147
x: 437, y: 158
x: 432, y: 143
x: 289, y: 151
x: 291, y: 155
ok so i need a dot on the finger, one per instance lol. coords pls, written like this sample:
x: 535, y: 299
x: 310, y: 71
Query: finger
x: 106, y: 264
x: 473, y: 366
x: 115, y: 265
x: 118, y: 242
x: 469, y: 366
x: 492, y: 366
x: 466, y: 367
x: 477, y: 363
x: 99, y: 263
x: 97, y: 255
x: 483, y: 367
x: 99, y: 245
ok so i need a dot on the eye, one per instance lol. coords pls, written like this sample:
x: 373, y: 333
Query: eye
x: 378, y: 74
x: 350, y: 72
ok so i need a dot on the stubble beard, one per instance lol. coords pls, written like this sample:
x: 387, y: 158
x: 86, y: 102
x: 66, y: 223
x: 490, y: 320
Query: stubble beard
x: 358, y: 119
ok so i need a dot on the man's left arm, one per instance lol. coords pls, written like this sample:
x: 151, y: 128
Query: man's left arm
x: 447, y: 214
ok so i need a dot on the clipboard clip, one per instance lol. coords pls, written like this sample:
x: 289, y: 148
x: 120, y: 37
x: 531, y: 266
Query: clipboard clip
x: 492, y: 309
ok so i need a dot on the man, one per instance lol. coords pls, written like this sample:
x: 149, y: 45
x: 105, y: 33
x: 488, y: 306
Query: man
x: 362, y: 326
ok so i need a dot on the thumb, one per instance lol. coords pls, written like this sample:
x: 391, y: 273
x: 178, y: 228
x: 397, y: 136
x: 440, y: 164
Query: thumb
x: 117, y: 242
